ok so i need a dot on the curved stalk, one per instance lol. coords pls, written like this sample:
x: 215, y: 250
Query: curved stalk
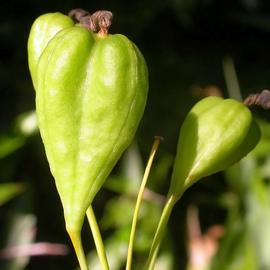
x: 160, y: 231
x: 97, y: 238
x: 139, y: 200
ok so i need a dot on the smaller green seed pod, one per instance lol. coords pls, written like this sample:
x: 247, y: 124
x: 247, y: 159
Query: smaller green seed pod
x: 215, y: 134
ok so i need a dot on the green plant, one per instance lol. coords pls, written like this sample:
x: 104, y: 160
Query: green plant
x: 215, y: 134
x: 91, y: 90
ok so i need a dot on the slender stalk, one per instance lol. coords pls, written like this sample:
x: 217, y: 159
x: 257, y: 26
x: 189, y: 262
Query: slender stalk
x: 97, y: 238
x: 75, y: 237
x: 160, y: 231
x: 139, y: 200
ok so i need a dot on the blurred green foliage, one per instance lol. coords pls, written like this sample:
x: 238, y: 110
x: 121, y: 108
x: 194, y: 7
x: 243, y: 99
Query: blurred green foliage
x: 184, y: 43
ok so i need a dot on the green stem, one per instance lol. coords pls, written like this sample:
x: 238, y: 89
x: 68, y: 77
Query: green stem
x: 75, y: 237
x: 139, y: 201
x: 97, y: 238
x: 160, y: 231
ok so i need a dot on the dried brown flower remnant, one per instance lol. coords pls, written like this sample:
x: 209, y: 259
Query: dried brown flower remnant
x: 78, y: 13
x: 261, y: 99
x: 100, y: 21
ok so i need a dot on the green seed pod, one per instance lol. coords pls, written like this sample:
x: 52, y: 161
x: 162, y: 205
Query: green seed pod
x: 215, y: 134
x: 91, y: 91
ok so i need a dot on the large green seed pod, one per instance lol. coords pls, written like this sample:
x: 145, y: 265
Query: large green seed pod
x: 90, y: 96
x: 215, y: 134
